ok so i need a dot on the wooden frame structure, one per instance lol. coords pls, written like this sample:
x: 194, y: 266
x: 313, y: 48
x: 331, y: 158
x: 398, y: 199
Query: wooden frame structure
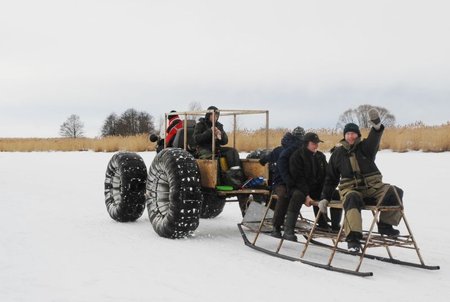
x: 209, y: 167
x: 223, y: 112
x: 371, y: 239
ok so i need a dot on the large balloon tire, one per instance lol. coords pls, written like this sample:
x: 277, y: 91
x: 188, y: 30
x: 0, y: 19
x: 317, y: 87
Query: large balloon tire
x: 174, y: 196
x: 125, y: 180
x: 212, y: 205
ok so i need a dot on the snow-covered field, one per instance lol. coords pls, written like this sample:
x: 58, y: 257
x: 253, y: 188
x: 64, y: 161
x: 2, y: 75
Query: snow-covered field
x: 58, y: 243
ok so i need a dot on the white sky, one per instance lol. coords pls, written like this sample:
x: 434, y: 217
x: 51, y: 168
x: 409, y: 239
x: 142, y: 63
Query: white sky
x: 305, y: 61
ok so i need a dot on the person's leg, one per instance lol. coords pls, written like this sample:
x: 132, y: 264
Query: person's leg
x: 336, y: 214
x: 353, y: 202
x: 280, y: 210
x: 231, y: 155
x: 322, y: 222
x: 204, y: 154
x: 390, y: 218
x: 235, y: 173
x: 295, y: 203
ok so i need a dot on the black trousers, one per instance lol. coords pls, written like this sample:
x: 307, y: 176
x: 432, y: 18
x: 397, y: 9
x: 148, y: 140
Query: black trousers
x: 231, y: 155
x: 294, y: 204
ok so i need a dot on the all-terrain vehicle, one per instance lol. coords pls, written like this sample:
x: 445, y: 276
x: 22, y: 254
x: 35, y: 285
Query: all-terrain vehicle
x: 179, y: 188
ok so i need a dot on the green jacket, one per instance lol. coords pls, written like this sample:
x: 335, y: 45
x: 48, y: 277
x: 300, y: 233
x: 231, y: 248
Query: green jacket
x: 340, y: 171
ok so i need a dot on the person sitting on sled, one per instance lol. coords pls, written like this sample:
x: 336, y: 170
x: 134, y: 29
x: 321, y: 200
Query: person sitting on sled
x: 352, y: 167
x: 307, y: 167
x: 280, y: 156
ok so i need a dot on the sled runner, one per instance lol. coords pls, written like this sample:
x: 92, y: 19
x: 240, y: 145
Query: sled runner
x: 326, y: 240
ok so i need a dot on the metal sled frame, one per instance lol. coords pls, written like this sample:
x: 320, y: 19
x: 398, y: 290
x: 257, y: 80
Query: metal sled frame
x: 371, y: 239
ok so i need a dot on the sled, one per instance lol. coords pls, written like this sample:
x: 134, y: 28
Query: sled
x: 312, y: 235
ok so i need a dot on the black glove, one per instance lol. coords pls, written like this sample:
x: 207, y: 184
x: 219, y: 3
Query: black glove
x: 263, y: 161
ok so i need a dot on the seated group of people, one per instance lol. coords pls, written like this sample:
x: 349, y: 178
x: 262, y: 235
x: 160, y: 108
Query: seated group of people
x: 303, y: 175
x: 202, y: 136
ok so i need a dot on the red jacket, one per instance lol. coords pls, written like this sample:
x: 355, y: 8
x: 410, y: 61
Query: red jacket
x: 175, y: 123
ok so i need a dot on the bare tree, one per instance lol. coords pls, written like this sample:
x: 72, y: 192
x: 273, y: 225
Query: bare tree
x: 131, y: 122
x: 128, y: 123
x: 194, y: 106
x: 145, y: 123
x: 360, y: 116
x: 110, y: 126
x: 72, y: 127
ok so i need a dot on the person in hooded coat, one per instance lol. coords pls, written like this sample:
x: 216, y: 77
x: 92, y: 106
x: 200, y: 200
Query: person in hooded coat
x: 175, y: 123
x: 290, y: 142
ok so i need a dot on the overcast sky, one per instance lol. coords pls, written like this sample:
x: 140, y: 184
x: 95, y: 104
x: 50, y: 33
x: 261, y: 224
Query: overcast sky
x: 305, y: 61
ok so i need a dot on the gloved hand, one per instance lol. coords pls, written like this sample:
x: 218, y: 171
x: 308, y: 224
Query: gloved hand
x: 262, y: 161
x: 374, y: 117
x: 323, y: 204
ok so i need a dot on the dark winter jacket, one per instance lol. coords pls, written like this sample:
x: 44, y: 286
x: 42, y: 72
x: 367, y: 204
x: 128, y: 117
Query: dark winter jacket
x: 308, y: 171
x: 290, y: 143
x: 272, y: 158
x: 339, y: 168
x: 203, y: 134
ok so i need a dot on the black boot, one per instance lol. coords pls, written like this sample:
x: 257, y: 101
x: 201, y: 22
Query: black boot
x: 353, y: 242
x: 276, y: 231
x: 289, y: 226
x: 387, y: 229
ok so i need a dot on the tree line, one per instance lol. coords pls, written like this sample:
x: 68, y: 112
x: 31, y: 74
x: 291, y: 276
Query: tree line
x: 134, y: 122
x: 130, y: 122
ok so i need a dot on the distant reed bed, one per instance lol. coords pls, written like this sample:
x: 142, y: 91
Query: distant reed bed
x: 136, y: 143
x: 399, y: 139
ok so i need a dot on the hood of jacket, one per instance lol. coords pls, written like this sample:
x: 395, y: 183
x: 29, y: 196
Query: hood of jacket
x: 290, y: 140
x: 173, y: 117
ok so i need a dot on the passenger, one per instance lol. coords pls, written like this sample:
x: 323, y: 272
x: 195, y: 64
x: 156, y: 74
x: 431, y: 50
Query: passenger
x: 203, y: 139
x: 307, y: 167
x: 290, y: 142
x: 352, y: 167
x: 175, y: 123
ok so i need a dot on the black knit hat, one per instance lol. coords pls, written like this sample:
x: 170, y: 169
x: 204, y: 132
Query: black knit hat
x: 352, y: 127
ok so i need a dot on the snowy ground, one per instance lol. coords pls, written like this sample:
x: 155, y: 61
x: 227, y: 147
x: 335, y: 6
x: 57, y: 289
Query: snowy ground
x: 57, y: 242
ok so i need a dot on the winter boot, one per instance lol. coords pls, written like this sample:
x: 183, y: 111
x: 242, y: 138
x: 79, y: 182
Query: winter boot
x: 353, y: 246
x: 353, y: 242
x: 276, y: 231
x: 289, y: 226
x: 387, y: 229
